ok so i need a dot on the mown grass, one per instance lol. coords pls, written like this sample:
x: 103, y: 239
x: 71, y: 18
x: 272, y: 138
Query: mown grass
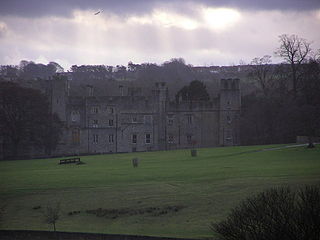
x: 207, y: 186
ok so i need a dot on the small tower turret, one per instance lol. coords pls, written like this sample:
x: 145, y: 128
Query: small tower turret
x: 161, y: 94
x: 230, y: 106
x: 59, y: 96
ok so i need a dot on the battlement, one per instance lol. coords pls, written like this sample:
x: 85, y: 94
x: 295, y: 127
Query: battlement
x: 131, y: 121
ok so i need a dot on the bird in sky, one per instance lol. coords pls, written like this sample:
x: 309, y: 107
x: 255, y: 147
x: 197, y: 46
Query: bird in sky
x: 96, y: 13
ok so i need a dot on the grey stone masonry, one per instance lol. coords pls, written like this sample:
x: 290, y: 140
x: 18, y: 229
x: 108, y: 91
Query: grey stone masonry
x: 129, y: 123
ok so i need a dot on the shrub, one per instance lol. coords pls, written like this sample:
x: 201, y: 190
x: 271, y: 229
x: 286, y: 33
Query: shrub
x: 274, y: 214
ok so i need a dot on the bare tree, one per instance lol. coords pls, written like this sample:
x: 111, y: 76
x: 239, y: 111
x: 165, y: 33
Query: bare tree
x: 261, y: 71
x: 52, y: 214
x: 295, y: 51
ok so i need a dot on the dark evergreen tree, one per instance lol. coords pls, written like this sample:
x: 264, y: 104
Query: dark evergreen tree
x: 195, y: 91
x: 26, y: 120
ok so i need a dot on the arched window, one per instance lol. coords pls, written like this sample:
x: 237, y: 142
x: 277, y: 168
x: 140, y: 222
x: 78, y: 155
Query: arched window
x: 75, y: 116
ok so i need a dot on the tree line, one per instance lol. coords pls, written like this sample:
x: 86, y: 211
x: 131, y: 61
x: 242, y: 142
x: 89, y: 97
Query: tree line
x: 286, y: 102
x: 26, y: 122
x: 279, y: 101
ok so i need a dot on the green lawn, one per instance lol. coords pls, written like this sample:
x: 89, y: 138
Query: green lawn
x: 207, y: 187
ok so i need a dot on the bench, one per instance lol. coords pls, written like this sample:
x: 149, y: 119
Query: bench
x: 70, y: 160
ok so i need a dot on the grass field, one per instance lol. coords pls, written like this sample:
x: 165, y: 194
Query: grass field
x: 205, y: 187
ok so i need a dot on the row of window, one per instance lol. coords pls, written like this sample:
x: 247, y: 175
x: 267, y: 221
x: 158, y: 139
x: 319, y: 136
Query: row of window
x: 97, y: 109
x: 75, y: 116
x: 190, y: 140
x: 95, y: 138
x: 134, y: 138
x: 147, y: 120
x: 147, y: 138
x: 95, y: 123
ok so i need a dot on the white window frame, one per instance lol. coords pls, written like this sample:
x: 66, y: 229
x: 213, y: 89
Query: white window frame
x: 111, y: 138
x: 134, y: 138
x: 148, y: 139
x: 95, y: 138
x: 95, y: 110
x: 170, y: 138
x: 95, y: 123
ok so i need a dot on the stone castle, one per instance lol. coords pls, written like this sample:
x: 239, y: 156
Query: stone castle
x: 129, y: 123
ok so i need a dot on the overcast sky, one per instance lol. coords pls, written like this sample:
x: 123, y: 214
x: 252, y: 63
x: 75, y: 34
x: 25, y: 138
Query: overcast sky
x: 203, y: 32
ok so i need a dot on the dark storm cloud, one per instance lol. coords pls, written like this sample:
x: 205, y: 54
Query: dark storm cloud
x: 38, y: 8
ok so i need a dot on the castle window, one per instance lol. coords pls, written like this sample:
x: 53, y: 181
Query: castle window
x: 90, y: 89
x: 95, y: 138
x: 189, y: 118
x: 95, y: 110
x: 189, y: 139
x: 134, y: 138
x: 170, y: 120
x: 111, y: 138
x: 228, y: 105
x: 134, y: 119
x: 229, y: 119
x: 110, y: 110
x: 148, y: 138
x: 110, y: 122
x: 225, y: 85
x: 76, y: 136
x: 170, y: 138
x: 95, y: 123
x: 75, y: 116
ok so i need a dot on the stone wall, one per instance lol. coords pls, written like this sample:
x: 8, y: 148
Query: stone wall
x: 145, y: 123
x: 127, y: 123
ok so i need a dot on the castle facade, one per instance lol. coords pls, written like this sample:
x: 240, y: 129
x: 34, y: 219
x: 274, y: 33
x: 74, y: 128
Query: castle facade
x: 129, y: 123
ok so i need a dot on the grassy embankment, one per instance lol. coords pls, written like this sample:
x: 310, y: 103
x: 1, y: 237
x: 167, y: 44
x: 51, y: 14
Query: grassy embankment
x: 207, y: 187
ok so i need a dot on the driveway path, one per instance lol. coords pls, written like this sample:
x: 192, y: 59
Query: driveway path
x: 288, y: 146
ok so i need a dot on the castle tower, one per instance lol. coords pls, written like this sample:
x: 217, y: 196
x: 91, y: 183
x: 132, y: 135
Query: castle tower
x: 59, y: 96
x: 229, y: 117
x: 161, y: 102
